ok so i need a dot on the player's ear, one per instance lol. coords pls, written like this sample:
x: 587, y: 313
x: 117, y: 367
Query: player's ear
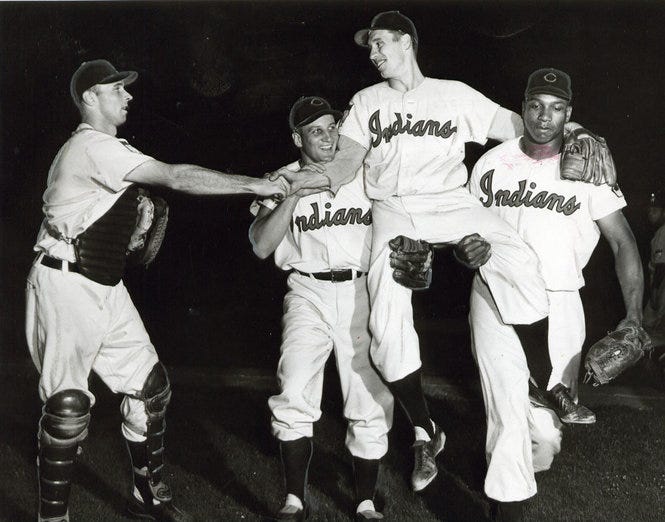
x: 407, y: 42
x: 569, y: 111
x: 88, y: 97
x: 297, y: 139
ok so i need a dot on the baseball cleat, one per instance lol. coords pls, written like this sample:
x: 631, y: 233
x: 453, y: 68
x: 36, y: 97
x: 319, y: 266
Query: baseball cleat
x: 425, y: 470
x: 541, y: 398
x: 294, y: 513
x: 368, y: 514
x: 568, y: 410
x: 162, y: 512
x: 60, y: 518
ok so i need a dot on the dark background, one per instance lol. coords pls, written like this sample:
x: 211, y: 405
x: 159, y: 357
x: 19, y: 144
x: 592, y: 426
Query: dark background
x: 216, y: 81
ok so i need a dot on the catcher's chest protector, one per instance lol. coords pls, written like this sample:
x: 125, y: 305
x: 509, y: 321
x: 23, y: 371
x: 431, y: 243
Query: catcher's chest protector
x: 101, y: 250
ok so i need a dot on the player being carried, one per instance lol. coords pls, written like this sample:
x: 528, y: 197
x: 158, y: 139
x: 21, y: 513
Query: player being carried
x: 323, y: 241
x: 522, y: 182
x: 79, y: 315
x: 410, y: 132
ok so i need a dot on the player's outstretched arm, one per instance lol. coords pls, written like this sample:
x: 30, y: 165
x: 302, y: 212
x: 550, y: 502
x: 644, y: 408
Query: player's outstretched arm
x: 310, y: 179
x: 193, y: 179
x: 628, y: 266
x: 348, y: 159
x: 270, y: 225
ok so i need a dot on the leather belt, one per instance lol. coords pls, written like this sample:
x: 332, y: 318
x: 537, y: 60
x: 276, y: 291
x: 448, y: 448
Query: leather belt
x: 336, y: 276
x: 52, y: 262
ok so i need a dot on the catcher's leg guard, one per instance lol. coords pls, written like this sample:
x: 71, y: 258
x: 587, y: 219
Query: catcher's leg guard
x: 63, y: 425
x: 148, y: 456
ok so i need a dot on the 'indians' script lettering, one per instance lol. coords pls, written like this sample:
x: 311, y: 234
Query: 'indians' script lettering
x: 524, y: 197
x: 342, y: 216
x: 399, y: 126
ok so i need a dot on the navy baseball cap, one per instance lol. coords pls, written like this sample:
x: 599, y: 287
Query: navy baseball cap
x: 391, y: 21
x: 549, y: 81
x: 97, y: 72
x: 308, y: 109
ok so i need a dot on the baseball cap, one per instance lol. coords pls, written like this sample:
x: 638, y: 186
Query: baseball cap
x: 549, y: 81
x: 309, y: 108
x: 391, y: 21
x: 97, y: 72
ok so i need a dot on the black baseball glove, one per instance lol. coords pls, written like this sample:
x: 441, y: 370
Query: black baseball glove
x: 411, y: 261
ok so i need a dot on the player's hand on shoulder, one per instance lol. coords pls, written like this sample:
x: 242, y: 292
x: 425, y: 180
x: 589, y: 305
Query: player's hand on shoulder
x: 473, y: 251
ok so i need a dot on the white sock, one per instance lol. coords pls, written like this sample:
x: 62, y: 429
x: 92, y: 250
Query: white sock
x: 365, y: 505
x: 293, y: 500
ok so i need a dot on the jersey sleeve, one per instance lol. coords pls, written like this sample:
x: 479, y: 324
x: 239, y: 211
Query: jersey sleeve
x: 474, y: 180
x: 354, y: 123
x: 477, y: 114
x: 112, y: 159
x: 603, y: 200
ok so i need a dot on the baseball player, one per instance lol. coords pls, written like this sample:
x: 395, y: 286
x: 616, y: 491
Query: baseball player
x: 654, y: 310
x: 79, y: 316
x: 519, y: 181
x: 323, y: 241
x: 409, y: 131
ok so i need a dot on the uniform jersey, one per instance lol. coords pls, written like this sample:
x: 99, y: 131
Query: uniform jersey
x: 555, y: 217
x: 415, y: 140
x: 86, y: 178
x: 327, y: 233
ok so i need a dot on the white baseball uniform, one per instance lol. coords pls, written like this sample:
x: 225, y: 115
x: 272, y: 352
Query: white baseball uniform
x: 557, y: 219
x: 415, y: 175
x: 75, y: 325
x: 321, y: 316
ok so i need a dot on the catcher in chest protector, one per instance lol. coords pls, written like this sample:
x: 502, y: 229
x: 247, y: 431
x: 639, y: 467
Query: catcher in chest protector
x: 79, y: 315
x: 323, y: 242
x: 535, y: 184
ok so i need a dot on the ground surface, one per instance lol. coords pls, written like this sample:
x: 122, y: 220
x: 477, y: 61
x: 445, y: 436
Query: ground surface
x: 224, y: 465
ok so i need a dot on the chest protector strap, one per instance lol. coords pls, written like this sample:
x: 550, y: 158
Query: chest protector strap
x: 101, y: 250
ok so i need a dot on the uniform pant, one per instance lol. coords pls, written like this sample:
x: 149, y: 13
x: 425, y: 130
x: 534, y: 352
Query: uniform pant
x: 567, y: 331
x: 512, y: 271
x: 321, y: 317
x: 74, y: 326
x: 521, y: 439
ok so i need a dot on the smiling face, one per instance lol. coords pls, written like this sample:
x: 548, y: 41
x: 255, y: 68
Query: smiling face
x: 317, y: 141
x: 112, y: 102
x: 387, y: 51
x: 544, y: 117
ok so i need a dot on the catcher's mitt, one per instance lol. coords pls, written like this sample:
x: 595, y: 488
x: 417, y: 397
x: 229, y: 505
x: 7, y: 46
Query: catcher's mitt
x: 151, y: 221
x: 586, y: 157
x: 411, y: 261
x: 614, y: 353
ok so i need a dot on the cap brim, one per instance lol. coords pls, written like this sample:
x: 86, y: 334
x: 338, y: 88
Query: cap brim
x: 335, y: 114
x: 361, y: 37
x: 548, y: 90
x: 127, y: 77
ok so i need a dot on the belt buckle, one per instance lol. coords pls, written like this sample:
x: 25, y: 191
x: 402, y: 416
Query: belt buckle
x: 333, y: 276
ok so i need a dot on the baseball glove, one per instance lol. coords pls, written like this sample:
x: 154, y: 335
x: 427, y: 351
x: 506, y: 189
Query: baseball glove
x: 614, y: 353
x: 411, y: 261
x: 151, y: 221
x: 586, y: 157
